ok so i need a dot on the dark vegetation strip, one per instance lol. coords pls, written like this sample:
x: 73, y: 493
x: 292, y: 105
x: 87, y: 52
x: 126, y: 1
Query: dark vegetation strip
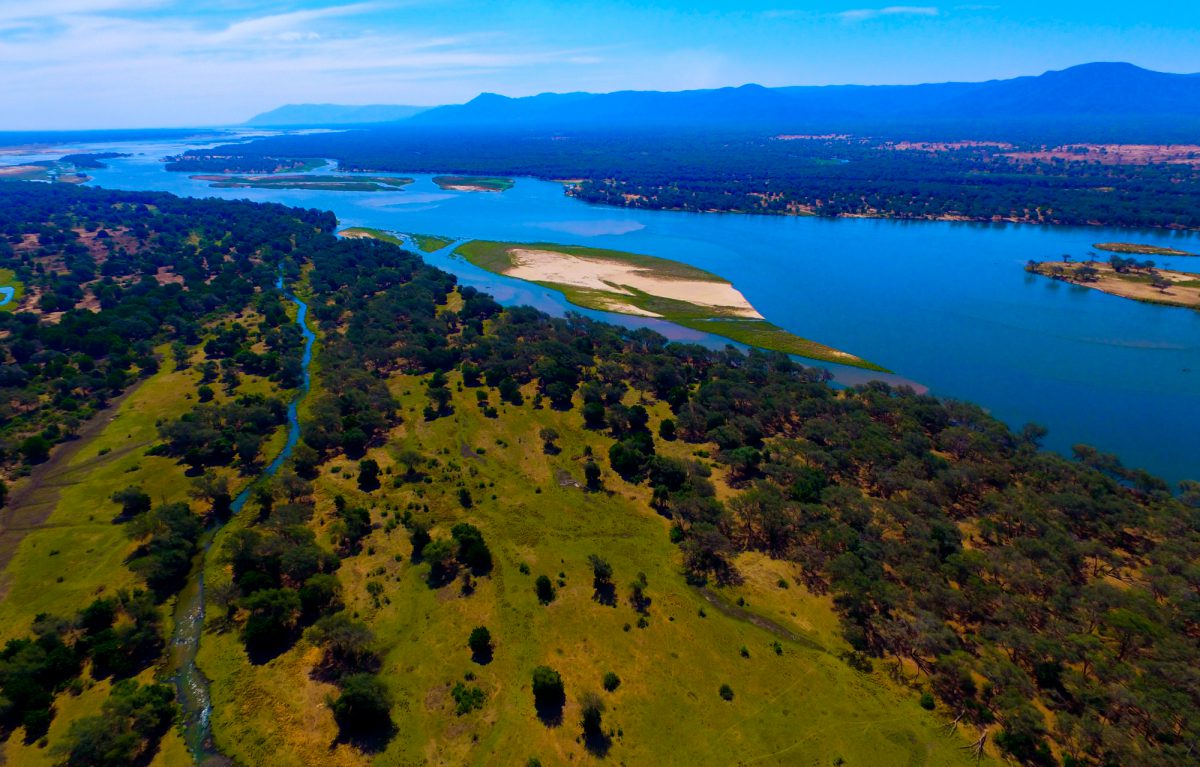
x: 756, y: 173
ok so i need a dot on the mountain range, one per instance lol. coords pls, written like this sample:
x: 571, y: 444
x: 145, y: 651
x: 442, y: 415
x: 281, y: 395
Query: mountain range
x: 1097, y: 97
x: 332, y: 114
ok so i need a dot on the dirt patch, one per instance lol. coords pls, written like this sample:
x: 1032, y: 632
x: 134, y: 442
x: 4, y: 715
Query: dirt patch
x: 566, y: 480
x: 166, y: 276
x: 1183, y: 290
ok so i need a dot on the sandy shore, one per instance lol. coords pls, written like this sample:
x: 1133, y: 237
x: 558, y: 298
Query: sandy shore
x: 616, y: 277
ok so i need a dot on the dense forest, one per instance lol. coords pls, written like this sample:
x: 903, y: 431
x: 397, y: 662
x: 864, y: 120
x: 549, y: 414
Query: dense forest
x: 1050, y: 603
x: 825, y: 176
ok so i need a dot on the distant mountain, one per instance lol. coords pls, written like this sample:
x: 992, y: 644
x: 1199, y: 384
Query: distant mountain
x: 333, y: 114
x: 1090, y: 93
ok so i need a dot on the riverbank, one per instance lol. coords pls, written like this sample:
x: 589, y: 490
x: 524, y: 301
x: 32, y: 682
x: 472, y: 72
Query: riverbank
x: 474, y: 183
x: 1153, y: 286
x: 1140, y: 249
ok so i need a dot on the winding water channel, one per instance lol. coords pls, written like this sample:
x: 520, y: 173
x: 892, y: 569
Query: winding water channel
x: 190, y: 683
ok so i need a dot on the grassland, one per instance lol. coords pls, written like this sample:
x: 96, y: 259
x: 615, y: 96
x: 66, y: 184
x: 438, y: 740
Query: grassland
x: 802, y: 705
x: 583, y: 276
x: 1138, y: 249
x: 314, y: 183
x: 426, y: 243
x: 1157, y: 286
x: 8, y: 279
x: 474, y: 183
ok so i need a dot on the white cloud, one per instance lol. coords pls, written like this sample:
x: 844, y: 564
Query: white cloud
x: 92, y: 66
x: 866, y: 14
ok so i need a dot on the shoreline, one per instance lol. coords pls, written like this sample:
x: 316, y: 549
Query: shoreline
x: 1164, y: 287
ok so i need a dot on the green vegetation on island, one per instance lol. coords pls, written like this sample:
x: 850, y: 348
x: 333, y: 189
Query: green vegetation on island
x: 647, y: 286
x: 1127, y: 278
x: 426, y: 243
x: 1139, y: 249
x: 315, y: 182
x: 474, y: 183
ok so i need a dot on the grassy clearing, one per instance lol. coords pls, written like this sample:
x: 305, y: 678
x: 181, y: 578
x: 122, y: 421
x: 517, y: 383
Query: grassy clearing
x: 1144, y: 250
x: 497, y: 257
x: 8, y: 279
x: 800, y: 706
x: 474, y: 183
x: 316, y: 183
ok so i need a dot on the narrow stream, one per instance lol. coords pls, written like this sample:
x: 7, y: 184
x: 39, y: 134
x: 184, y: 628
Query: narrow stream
x: 190, y: 684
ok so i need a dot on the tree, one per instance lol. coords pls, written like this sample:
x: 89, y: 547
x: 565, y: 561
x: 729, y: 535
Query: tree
x: 134, y: 502
x: 603, y: 590
x: 363, y: 709
x: 347, y: 646
x: 368, y: 475
x: 611, y: 681
x: 133, y: 720
x: 35, y: 448
x: 726, y: 692
x: 591, y: 475
x: 548, y: 691
x: 271, y: 624
x: 480, y: 642
x: 472, y: 551
x: 637, y: 594
x: 591, y: 708
x: 544, y: 589
x: 666, y: 430
x: 549, y: 437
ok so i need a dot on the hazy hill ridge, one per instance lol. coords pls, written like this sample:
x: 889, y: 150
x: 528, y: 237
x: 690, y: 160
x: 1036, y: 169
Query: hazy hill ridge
x: 1095, y: 92
x: 333, y: 114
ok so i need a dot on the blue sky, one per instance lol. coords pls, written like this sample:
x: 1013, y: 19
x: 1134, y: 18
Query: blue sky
x: 144, y: 63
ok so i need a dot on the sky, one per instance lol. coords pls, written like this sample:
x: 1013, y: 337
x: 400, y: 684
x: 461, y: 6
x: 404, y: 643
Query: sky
x: 77, y: 64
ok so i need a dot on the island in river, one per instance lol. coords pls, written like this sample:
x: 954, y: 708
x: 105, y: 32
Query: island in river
x: 1140, y: 249
x: 317, y: 183
x: 474, y: 183
x: 1134, y: 281
x: 646, y: 286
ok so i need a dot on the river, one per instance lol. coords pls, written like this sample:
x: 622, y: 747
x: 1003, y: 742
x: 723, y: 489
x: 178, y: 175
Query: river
x: 947, y: 306
x: 190, y: 683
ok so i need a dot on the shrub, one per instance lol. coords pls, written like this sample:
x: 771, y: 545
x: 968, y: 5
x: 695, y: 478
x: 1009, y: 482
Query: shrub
x: 545, y: 589
x: 726, y: 692
x: 611, y: 681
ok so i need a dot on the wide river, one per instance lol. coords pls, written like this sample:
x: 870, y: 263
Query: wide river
x: 947, y: 306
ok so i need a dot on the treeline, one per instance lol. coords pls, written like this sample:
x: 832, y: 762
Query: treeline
x: 1010, y: 581
x: 108, y: 277
x: 760, y: 174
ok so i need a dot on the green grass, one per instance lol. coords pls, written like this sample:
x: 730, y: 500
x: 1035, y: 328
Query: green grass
x: 426, y: 243
x: 804, y: 706
x: 316, y: 183
x: 1136, y: 248
x: 497, y: 257
x: 8, y: 279
x: 429, y: 243
x: 486, y: 183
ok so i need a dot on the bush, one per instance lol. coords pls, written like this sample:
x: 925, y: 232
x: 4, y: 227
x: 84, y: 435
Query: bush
x: 611, y: 681
x: 726, y: 692
x: 467, y: 698
x: 927, y: 701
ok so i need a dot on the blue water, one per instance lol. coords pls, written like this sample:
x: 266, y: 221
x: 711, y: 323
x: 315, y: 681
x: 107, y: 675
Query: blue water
x: 6, y: 294
x: 190, y: 684
x: 945, y: 305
